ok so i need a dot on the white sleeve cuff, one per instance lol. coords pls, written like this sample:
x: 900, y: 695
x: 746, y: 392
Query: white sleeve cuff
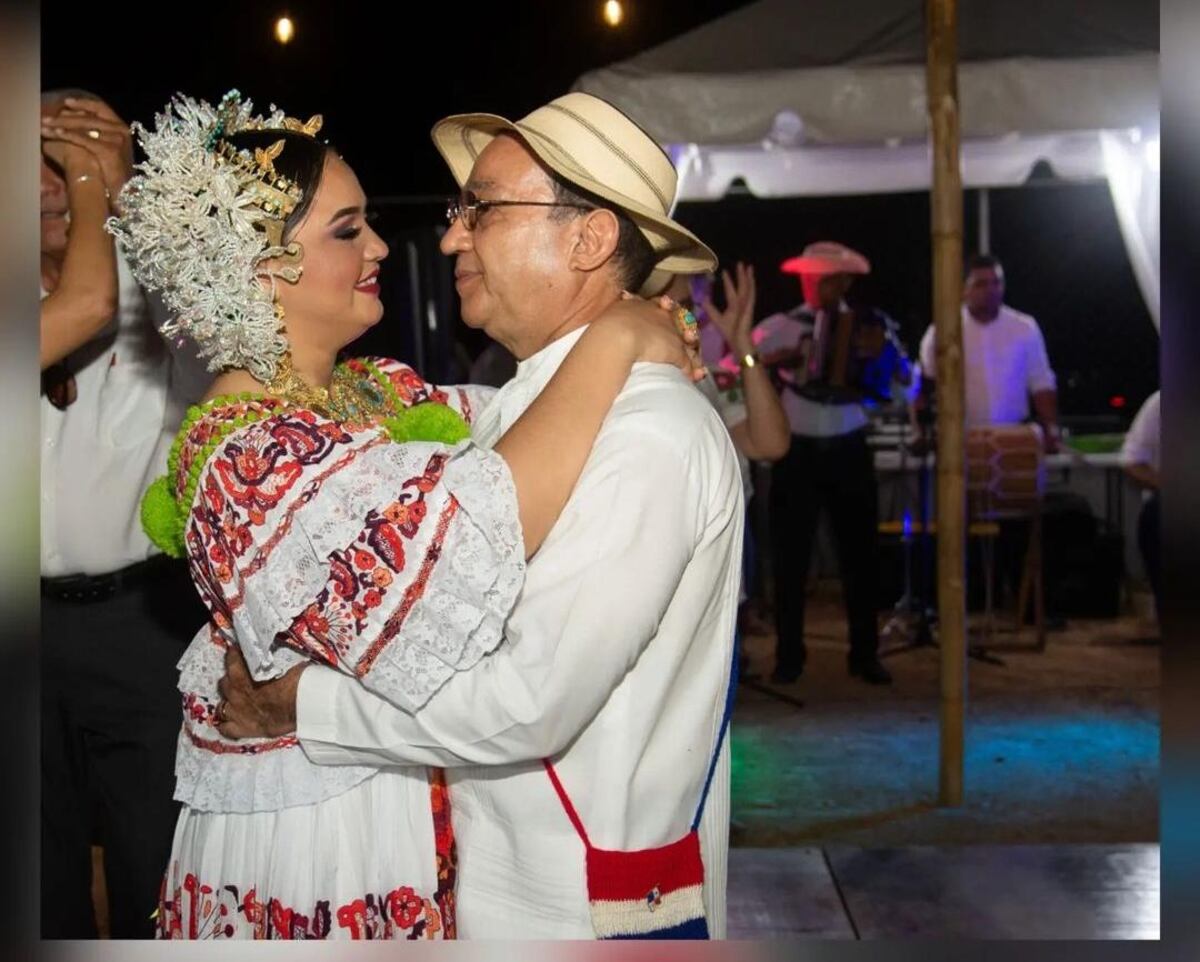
x: 316, y: 714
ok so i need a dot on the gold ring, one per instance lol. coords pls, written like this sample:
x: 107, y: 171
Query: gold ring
x: 94, y: 134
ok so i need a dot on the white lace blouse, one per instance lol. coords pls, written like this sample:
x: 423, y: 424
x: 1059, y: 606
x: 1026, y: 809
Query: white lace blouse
x: 310, y: 539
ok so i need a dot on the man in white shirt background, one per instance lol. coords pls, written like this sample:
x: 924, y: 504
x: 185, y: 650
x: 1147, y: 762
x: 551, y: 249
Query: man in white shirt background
x: 617, y: 657
x: 115, y: 615
x: 1005, y: 366
x: 1008, y: 380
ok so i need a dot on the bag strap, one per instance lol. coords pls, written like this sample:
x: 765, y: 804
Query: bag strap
x: 566, y: 803
x: 712, y: 765
x: 729, y: 698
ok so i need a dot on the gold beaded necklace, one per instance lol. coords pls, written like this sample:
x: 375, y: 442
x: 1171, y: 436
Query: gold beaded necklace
x: 349, y: 398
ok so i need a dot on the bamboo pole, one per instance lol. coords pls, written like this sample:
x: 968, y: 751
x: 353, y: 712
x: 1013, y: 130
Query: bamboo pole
x: 941, y: 73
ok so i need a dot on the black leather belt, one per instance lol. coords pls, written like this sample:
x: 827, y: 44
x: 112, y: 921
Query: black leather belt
x: 85, y: 589
x: 819, y: 393
x: 823, y: 442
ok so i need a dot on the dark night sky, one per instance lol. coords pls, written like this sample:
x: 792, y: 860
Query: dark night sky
x: 382, y: 75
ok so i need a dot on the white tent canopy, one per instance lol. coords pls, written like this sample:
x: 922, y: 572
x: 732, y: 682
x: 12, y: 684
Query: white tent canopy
x: 853, y: 71
x: 809, y: 97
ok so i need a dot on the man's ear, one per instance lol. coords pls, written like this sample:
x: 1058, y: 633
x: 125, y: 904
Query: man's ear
x: 596, y: 240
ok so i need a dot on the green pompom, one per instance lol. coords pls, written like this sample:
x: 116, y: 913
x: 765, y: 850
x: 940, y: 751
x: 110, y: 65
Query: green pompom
x: 428, y: 422
x: 161, y: 518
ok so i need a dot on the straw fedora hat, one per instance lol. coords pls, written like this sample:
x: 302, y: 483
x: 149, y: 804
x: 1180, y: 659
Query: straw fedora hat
x: 591, y: 144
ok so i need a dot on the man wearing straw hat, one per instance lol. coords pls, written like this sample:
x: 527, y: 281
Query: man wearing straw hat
x: 618, y: 656
x: 818, y: 354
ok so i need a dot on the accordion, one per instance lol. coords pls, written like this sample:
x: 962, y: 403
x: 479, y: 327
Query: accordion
x: 844, y: 358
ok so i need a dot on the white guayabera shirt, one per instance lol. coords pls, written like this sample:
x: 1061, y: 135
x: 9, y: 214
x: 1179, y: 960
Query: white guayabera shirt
x: 616, y: 662
x: 101, y: 453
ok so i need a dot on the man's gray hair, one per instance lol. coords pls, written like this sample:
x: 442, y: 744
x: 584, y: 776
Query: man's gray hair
x: 634, y: 256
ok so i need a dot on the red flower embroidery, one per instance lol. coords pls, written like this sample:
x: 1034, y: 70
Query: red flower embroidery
x: 253, y: 908
x: 214, y: 497
x: 408, y: 384
x: 251, y: 464
x: 372, y: 599
x: 317, y: 623
x: 382, y: 577
x: 406, y: 907
x: 281, y: 918
x: 353, y: 917
x: 341, y: 575
x: 198, y: 910
x: 396, y: 513
x: 384, y: 540
x: 364, y: 560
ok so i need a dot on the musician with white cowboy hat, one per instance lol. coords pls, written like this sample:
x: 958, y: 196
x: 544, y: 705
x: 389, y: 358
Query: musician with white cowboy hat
x: 617, y: 660
x: 818, y: 354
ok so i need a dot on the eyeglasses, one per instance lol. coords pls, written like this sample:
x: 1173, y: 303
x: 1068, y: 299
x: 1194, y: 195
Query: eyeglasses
x: 468, y: 206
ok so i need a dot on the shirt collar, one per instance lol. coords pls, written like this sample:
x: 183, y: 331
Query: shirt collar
x: 968, y: 316
x: 537, y: 369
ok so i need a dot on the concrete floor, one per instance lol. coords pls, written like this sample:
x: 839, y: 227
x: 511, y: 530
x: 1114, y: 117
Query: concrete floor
x: 836, y: 829
x: 975, y: 892
x: 1061, y: 746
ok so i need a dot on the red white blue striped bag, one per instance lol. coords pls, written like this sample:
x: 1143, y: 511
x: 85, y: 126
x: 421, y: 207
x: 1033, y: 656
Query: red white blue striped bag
x: 652, y: 893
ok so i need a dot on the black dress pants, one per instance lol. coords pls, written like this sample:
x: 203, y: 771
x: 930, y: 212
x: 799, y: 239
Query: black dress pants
x: 836, y: 475
x: 111, y: 716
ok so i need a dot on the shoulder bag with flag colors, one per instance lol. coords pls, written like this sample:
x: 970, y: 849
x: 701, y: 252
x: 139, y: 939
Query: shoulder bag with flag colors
x: 653, y: 893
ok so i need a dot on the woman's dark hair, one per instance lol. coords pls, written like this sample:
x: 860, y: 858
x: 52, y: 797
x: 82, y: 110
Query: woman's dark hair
x: 302, y: 162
